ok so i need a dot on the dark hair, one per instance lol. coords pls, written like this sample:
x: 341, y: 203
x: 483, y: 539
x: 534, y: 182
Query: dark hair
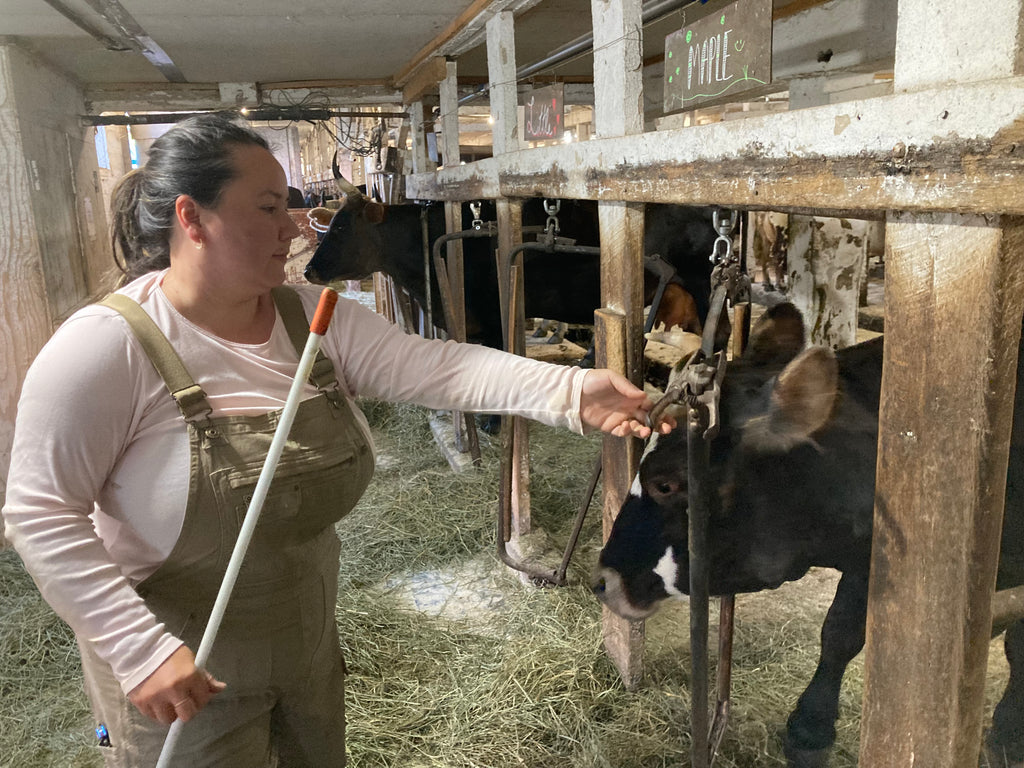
x: 193, y: 158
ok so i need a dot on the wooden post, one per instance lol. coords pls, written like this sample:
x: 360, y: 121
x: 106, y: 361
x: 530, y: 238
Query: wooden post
x: 420, y: 160
x: 623, y: 639
x: 53, y: 250
x: 618, y: 111
x: 953, y: 306
x: 954, y: 299
x: 501, y: 72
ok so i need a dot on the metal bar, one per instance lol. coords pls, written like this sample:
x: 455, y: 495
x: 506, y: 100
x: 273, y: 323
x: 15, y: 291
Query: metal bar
x: 726, y: 615
x: 698, y: 465
x: 541, y: 575
x: 428, y: 288
x: 570, y: 546
x: 447, y: 302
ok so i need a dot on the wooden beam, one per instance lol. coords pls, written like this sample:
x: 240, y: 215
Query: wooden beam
x: 424, y: 79
x: 149, y: 96
x: 431, y: 49
x: 957, y: 148
x: 459, y: 36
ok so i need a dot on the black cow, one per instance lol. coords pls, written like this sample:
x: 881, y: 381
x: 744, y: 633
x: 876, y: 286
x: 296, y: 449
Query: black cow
x: 808, y: 420
x: 366, y: 237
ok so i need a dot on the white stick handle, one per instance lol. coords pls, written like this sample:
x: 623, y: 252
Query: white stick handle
x: 252, y: 515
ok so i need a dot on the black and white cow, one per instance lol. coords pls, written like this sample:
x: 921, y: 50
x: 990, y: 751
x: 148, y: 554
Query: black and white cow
x: 366, y: 237
x: 791, y: 487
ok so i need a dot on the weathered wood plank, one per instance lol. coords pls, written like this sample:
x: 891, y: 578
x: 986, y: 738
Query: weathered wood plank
x: 959, y: 148
x: 27, y: 320
x: 623, y: 639
x: 501, y: 68
x: 954, y: 299
x: 618, y: 111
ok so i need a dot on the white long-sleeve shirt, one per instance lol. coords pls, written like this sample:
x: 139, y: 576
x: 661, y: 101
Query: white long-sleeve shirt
x: 99, y: 472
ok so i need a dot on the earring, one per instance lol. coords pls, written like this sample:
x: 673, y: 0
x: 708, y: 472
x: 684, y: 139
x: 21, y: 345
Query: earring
x: 199, y: 245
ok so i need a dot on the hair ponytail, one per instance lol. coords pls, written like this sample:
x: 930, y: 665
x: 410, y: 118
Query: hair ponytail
x: 193, y: 158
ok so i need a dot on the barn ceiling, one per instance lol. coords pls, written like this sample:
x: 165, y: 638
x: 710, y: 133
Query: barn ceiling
x: 381, y: 43
x: 101, y: 42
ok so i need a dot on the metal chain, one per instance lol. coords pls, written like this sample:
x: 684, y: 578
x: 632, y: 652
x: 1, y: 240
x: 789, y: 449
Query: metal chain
x: 551, y: 208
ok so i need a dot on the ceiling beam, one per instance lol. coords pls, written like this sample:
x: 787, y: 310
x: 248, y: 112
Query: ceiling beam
x: 122, y: 97
x: 118, y: 17
x: 464, y: 33
x: 269, y: 114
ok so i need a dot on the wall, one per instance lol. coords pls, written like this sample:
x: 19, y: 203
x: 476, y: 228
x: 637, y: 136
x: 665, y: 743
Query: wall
x: 47, y: 198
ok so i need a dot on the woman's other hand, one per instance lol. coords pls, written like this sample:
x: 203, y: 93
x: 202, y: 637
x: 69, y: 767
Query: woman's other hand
x: 611, y: 403
x: 178, y: 689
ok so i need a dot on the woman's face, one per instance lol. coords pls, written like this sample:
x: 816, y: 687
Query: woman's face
x: 247, y: 235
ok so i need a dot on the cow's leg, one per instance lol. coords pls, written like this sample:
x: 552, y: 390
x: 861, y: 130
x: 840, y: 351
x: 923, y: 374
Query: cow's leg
x: 558, y: 333
x: 810, y: 731
x: 1004, y: 746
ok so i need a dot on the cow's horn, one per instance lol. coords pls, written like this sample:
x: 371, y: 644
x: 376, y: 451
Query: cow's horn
x: 344, y: 186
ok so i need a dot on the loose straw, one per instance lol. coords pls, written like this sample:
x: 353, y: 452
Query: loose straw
x: 317, y: 329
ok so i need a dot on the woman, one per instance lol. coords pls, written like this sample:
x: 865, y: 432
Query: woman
x: 141, y: 430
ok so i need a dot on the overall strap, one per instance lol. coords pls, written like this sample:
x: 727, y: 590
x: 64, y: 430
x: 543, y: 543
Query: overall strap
x: 189, y: 396
x: 290, y: 306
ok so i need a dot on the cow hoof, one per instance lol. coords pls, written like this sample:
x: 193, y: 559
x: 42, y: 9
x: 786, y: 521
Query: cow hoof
x: 555, y: 338
x: 490, y: 424
x: 805, y: 758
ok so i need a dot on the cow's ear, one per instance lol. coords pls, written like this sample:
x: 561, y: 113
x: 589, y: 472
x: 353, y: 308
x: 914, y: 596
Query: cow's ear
x: 321, y: 216
x: 374, y: 212
x: 804, y: 395
x: 777, y: 337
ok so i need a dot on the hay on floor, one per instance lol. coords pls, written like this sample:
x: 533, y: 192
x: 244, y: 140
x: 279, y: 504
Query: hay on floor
x: 455, y: 662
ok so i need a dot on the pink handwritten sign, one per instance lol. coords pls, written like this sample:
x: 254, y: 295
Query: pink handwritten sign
x: 544, y: 110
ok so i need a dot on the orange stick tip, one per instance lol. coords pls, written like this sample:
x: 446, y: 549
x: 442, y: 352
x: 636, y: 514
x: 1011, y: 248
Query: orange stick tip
x: 324, y: 312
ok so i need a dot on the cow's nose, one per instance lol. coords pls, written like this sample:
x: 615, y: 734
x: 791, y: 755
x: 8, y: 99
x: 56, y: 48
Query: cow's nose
x: 598, y: 586
x: 311, y: 275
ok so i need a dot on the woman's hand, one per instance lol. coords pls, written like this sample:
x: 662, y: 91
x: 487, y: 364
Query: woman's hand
x: 178, y: 689
x: 611, y: 403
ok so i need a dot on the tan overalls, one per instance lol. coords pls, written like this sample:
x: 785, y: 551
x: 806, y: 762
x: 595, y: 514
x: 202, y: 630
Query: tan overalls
x: 277, y: 648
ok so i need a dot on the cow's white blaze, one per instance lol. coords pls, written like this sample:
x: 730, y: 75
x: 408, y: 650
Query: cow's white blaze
x: 635, y: 490
x: 668, y: 570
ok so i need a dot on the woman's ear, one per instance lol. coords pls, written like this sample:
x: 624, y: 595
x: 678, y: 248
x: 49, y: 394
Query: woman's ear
x: 187, y: 212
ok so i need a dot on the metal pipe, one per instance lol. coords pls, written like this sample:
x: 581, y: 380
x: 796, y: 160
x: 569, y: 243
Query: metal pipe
x: 447, y: 303
x: 427, y: 287
x: 698, y: 456
x: 574, y: 537
x: 538, y: 574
